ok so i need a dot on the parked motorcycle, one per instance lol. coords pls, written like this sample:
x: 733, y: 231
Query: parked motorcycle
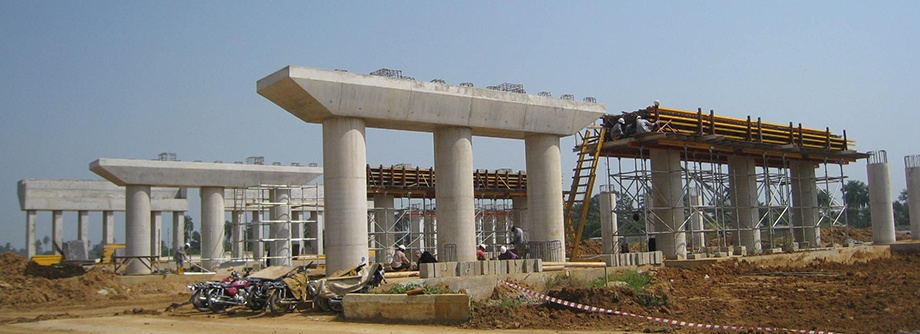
x: 232, y: 291
x: 200, y: 292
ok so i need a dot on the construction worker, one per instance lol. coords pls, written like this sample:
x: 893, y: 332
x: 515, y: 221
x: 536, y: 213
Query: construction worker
x: 180, y: 258
x: 618, y: 130
x: 643, y: 125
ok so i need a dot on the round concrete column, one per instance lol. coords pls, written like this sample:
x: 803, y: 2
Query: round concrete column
x: 108, y: 227
x: 383, y: 215
x: 519, y: 213
x: 345, y: 187
x: 453, y: 163
x: 236, y: 234
x: 805, y: 203
x: 178, y: 232
x: 743, y: 187
x: 57, y: 231
x: 609, y: 224
x: 137, y: 227
x: 912, y: 169
x: 212, y: 226
x: 880, y: 199
x: 280, y: 228
x: 697, y: 237
x: 258, y: 248
x: 668, y: 209
x: 544, y: 193
x: 30, y: 233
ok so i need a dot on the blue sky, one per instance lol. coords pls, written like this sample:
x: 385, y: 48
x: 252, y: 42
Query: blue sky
x: 82, y: 80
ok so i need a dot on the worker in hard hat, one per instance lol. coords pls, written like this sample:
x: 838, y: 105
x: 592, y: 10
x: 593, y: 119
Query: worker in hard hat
x: 180, y: 258
x: 507, y: 254
x: 643, y: 125
x: 400, y: 260
x: 481, y: 252
x: 618, y: 130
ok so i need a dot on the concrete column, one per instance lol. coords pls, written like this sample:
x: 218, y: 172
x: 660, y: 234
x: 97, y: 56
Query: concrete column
x: 256, y: 245
x: 453, y: 163
x: 30, y: 234
x: 57, y: 231
x: 236, y: 234
x: 156, y: 226
x: 212, y: 226
x: 384, y: 216
x: 609, y: 224
x: 519, y: 213
x: 297, y: 244
x: 137, y: 227
x: 880, y: 199
x: 83, y: 228
x: 178, y: 230
x: 668, y: 210
x: 912, y: 169
x: 320, y: 232
x: 544, y: 219
x: 108, y: 227
x: 697, y: 238
x: 345, y: 188
x: 279, y: 229
x: 742, y: 176
x: 805, y: 204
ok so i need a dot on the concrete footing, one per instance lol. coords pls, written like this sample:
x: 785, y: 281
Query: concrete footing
x: 633, y: 259
x: 478, y: 268
x: 436, y: 309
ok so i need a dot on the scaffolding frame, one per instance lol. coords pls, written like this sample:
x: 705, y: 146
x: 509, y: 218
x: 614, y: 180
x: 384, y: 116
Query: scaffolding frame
x: 300, y: 214
x: 708, y: 178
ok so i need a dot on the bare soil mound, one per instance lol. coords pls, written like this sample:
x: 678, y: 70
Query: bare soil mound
x: 30, y: 284
x: 878, y: 296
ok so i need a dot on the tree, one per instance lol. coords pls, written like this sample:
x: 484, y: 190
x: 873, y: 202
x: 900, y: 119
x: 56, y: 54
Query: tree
x: 901, y: 210
x: 593, y: 220
x: 189, y: 227
x: 856, y: 198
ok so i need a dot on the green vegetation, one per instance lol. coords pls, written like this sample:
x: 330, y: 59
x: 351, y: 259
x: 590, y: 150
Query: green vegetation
x: 647, y: 294
x: 402, y: 289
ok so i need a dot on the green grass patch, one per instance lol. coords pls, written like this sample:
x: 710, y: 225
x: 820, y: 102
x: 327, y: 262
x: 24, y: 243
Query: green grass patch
x: 402, y: 289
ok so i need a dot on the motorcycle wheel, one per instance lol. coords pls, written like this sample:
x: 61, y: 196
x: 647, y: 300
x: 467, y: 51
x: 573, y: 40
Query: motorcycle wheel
x: 199, y: 300
x: 275, y: 305
x: 214, y: 301
x: 335, y: 305
x: 322, y: 304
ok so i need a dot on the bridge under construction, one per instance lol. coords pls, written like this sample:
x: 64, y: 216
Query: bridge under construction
x: 699, y: 183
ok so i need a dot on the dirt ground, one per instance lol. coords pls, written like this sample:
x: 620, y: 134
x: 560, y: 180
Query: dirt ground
x: 877, y: 296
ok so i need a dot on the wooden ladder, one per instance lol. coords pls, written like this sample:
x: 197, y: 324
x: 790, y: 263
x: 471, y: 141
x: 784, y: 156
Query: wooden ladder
x: 579, y: 197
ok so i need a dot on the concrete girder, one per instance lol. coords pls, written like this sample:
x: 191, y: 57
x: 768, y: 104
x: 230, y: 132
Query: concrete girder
x: 314, y: 95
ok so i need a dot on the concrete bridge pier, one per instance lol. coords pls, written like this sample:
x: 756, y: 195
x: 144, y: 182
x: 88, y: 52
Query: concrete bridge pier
x: 544, y: 185
x: 108, y: 227
x: 805, y: 203
x: 30, y: 233
x: 345, y: 187
x: 212, y: 226
x: 743, y: 184
x: 668, y: 207
x: 279, y: 230
x: 178, y: 230
x: 453, y: 161
x: 880, y: 198
x: 137, y: 227
x: 383, y: 215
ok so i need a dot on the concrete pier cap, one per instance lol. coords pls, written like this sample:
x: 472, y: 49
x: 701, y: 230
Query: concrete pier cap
x: 139, y: 175
x: 323, y: 96
x: 314, y: 95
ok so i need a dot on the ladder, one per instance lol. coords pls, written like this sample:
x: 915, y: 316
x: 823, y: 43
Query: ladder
x: 579, y: 197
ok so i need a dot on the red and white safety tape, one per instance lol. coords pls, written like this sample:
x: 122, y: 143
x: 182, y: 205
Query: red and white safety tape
x: 661, y: 320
